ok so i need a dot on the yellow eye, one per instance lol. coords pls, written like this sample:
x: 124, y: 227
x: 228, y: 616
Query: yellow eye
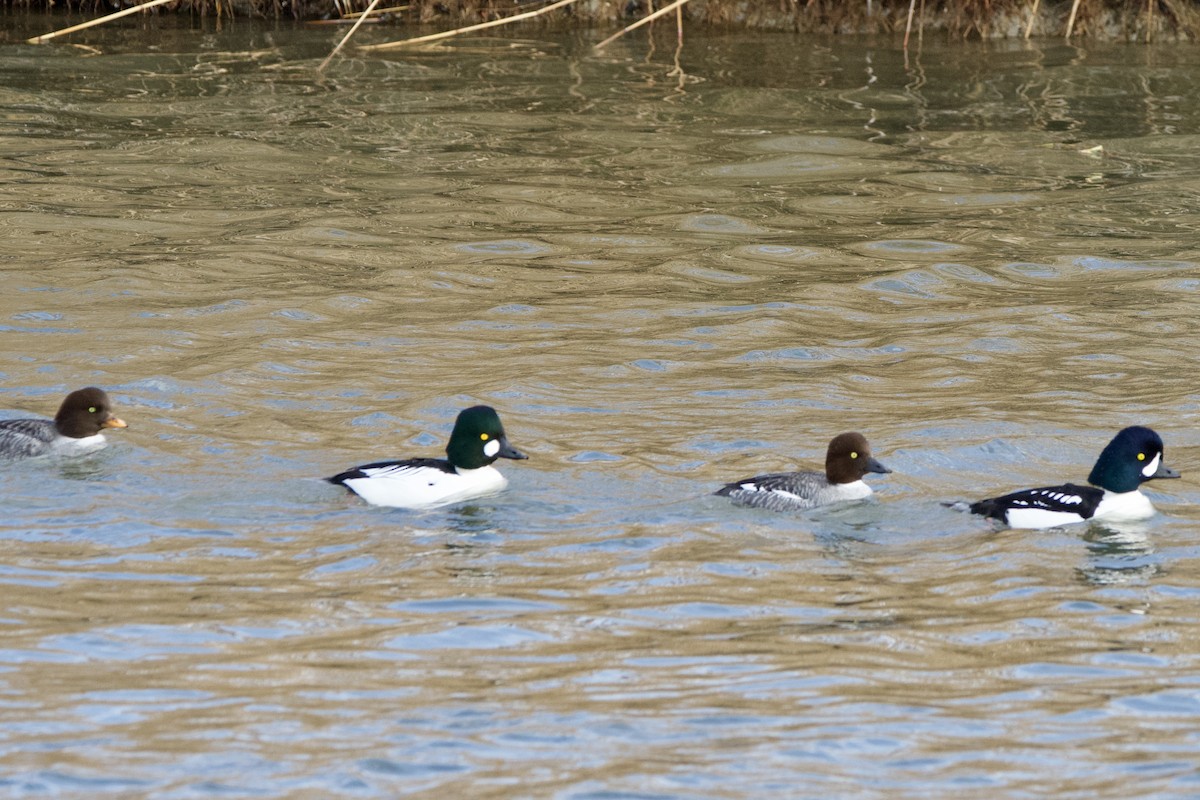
x: 854, y: 455
x: 1141, y: 456
x: 483, y: 436
x: 92, y: 410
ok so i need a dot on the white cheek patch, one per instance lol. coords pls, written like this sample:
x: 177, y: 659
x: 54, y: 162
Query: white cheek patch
x: 1152, y: 467
x: 491, y: 448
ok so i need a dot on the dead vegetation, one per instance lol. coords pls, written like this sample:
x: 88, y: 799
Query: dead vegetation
x: 1134, y: 20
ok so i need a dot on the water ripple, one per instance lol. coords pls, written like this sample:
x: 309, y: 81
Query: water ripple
x: 663, y: 282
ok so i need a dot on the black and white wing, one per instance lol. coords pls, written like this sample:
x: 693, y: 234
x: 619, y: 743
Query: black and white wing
x: 412, y: 483
x: 393, y: 469
x: 21, y: 438
x: 781, y: 491
x: 1043, y: 508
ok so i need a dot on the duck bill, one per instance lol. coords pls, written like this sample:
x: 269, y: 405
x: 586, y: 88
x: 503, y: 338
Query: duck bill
x: 875, y: 466
x: 113, y: 422
x: 1164, y: 471
x: 508, y: 451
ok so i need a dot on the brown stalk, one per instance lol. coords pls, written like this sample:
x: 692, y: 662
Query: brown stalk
x: 648, y: 18
x: 349, y: 33
x: 47, y: 36
x: 392, y: 10
x: 446, y: 34
x: 1071, y: 19
x: 1032, y: 16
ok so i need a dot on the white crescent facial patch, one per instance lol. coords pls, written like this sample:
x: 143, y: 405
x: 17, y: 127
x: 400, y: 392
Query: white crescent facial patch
x: 491, y: 448
x: 1152, y: 467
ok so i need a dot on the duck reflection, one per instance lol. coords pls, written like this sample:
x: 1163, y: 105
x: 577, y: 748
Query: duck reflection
x: 1118, y: 553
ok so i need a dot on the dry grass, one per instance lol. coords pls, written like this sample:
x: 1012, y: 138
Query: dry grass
x: 1141, y: 20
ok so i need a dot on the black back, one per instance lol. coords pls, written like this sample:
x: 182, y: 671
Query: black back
x: 410, y: 463
x: 1048, y: 498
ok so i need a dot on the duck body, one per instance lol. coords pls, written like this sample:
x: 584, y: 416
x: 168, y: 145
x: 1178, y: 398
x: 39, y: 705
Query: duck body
x: 76, y: 428
x: 1134, y: 456
x: 792, y: 491
x: 419, y: 482
x: 478, y: 439
x: 847, y: 460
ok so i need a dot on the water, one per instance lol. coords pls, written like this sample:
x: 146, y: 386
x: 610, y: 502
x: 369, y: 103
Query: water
x: 983, y: 258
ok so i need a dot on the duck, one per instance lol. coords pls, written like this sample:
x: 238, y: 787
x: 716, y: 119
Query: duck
x: 847, y: 461
x: 1134, y: 456
x: 78, y: 427
x: 478, y: 439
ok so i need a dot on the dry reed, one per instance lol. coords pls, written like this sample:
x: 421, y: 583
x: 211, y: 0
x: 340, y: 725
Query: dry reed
x: 361, y: 19
x: 677, y: 5
x: 376, y: 12
x: 45, y: 37
x: 1142, y: 20
x: 433, y: 37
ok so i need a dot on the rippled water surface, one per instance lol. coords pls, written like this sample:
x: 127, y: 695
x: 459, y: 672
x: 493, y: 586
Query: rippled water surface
x: 666, y: 270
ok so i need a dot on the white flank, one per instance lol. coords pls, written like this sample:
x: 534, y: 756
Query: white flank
x: 424, y: 487
x: 1040, y: 518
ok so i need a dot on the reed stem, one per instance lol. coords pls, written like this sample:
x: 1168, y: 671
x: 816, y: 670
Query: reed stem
x: 45, y: 37
x: 433, y: 37
x: 357, y: 24
x: 648, y: 18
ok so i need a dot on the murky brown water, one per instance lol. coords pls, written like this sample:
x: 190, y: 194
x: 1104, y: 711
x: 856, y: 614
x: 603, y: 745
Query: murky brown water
x: 985, y: 259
